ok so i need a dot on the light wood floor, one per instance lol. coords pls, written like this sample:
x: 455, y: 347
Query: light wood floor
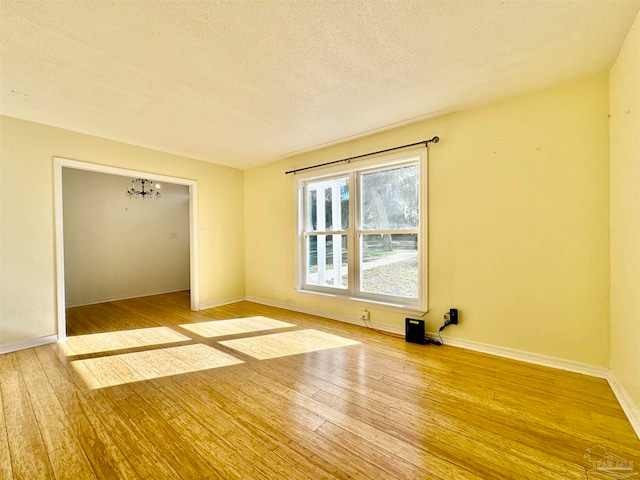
x: 235, y: 393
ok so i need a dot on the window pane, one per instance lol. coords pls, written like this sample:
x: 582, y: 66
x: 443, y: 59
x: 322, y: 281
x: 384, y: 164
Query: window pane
x: 327, y: 260
x: 390, y: 199
x: 328, y: 205
x: 389, y: 265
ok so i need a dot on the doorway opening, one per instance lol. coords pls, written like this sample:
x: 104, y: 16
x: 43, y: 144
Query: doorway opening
x: 72, y: 167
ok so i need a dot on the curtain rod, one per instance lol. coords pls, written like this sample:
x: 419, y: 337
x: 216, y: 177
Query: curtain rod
x: 432, y: 140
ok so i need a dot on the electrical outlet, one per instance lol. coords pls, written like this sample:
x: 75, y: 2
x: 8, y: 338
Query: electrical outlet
x: 364, y: 315
x: 453, y: 316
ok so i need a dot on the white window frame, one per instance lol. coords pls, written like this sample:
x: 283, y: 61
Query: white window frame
x: 353, y: 172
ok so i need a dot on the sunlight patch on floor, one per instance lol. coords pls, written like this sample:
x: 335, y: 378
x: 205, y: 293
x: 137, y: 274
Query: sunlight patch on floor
x: 134, y: 367
x: 288, y: 343
x: 221, y: 328
x: 120, y: 340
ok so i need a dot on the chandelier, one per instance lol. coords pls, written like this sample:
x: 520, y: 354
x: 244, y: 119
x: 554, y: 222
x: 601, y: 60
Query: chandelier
x: 143, y: 188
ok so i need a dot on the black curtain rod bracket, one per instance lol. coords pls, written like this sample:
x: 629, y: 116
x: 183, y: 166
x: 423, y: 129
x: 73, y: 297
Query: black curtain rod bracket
x: 348, y: 160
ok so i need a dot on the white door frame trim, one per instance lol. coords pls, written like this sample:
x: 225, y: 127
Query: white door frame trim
x: 60, y: 163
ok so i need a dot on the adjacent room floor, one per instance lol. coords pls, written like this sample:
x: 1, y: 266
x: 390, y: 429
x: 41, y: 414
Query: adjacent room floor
x: 145, y: 388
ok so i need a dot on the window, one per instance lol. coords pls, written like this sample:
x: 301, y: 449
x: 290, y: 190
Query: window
x: 362, y: 231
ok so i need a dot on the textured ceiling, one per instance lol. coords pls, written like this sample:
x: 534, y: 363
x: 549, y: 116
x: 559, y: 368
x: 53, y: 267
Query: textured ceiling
x: 243, y: 83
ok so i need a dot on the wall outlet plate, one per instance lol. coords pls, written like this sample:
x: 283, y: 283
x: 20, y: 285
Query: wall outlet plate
x: 364, y: 315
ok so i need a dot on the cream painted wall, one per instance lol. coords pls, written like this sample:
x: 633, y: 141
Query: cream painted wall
x: 117, y: 247
x: 624, y: 99
x: 27, y: 245
x: 518, y: 223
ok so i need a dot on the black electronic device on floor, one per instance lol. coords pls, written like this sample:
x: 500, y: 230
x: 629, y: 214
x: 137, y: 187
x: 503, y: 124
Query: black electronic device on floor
x: 415, y: 331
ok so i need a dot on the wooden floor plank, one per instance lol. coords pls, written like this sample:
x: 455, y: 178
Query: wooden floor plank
x: 104, y: 455
x: 239, y: 426
x: 29, y: 457
x: 6, y: 471
x: 146, y: 389
x: 205, y: 433
x: 273, y: 425
x: 143, y: 456
x: 167, y: 441
x: 66, y: 455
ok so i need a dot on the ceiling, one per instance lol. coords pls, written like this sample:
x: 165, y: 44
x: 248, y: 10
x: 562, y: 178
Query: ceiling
x: 246, y: 82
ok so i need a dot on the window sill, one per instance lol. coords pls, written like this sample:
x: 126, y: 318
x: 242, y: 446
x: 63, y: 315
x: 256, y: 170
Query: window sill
x: 397, y: 307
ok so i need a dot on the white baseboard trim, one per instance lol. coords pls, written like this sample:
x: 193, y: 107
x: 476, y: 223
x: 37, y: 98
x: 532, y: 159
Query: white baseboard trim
x: 31, y: 343
x: 630, y: 409
x: 126, y: 297
x: 318, y: 313
x: 204, y: 306
x: 528, y: 357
